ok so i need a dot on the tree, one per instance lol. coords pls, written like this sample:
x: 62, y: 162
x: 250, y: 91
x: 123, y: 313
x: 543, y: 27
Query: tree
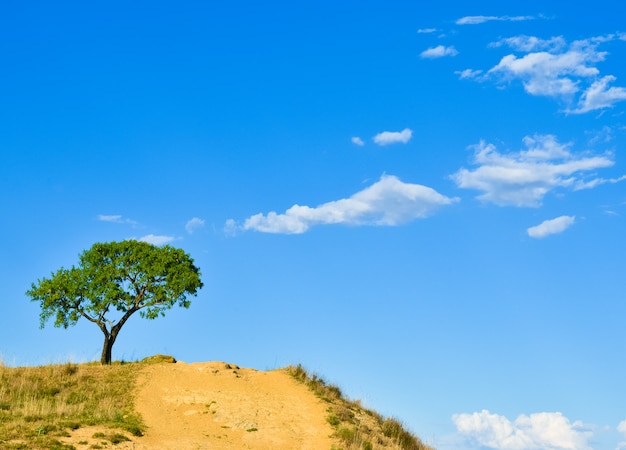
x: 113, y: 281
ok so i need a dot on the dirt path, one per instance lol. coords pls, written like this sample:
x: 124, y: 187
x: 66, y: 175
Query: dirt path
x: 220, y: 406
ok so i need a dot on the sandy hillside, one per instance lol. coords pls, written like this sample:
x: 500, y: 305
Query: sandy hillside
x: 221, y: 406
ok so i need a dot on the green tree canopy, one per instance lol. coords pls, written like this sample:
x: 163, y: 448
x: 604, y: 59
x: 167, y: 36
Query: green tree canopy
x: 113, y: 281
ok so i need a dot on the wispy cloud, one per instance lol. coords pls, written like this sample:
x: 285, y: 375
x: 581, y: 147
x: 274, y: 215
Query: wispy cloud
x: 393, y: 137
x: 439, y: 52
x: 590, y: 184
x: 599, y: 95
x: 109, y: 218
x: 622, y: 429
x: 427, y: 30
x: 357, y: 141
x: 554, y: 68
x: 194, y: 224
x: 523, y: 178
x: 525, y: 43
x: 115, y: 219
x: 475, y: 20
x: 539, y: 431
x: 552, y: 226
x: 388, y: 202
x: 156, y: 239
x: 468, y: 73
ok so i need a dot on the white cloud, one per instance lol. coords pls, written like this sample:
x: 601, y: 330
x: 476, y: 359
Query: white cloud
x: 548, y: 74
x: 468, y: 73
x: 622, y: 429
x: 194, y: 224
x: 393, y: 137
x: 539, y: 431
x: 552, y: 226
x: 523, y: 178
x: 357, y: 141
x: 555, y: 69
x: 439, y: 52
x: 109, y: 218
x: 427, y: 30
x: 599, y: 96
x: 525, y: 43
x: 388, y: 202
x: 156, y: 240
x: 601, y: 136
x: 231, y: 228
x: 581, y: 184
x: 475, y: 20
x: 115, y: 219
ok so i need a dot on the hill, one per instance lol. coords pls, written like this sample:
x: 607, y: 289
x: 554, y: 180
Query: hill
x: 164, y: 405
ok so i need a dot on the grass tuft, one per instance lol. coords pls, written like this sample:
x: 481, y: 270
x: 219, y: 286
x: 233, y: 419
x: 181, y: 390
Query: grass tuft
x: 157, y: 359
x: 355, y: 426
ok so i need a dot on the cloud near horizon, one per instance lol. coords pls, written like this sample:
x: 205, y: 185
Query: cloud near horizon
x: 552, y: 226
x: 156, y: 239
x: 393, y: 137
x: 622, y: 429
x: 388, y: 202
x: 114, y: 218
x: 553, y: 68
x: 523, y: 178
x: 539, y: 431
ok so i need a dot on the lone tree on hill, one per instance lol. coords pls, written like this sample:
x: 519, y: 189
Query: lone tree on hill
x: 112, y: 282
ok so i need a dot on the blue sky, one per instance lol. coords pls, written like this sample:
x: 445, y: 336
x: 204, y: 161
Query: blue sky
x: 423, y: 204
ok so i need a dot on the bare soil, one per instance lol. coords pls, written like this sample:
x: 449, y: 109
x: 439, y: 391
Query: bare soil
x: 219, y: 406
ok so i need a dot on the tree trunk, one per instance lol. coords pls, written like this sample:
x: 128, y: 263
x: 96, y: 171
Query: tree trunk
x: 105, y: 359
x: 110, y: 336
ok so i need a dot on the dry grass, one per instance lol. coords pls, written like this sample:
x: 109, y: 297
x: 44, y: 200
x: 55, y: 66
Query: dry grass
x: 358, y: 428
x: 39, y: 405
